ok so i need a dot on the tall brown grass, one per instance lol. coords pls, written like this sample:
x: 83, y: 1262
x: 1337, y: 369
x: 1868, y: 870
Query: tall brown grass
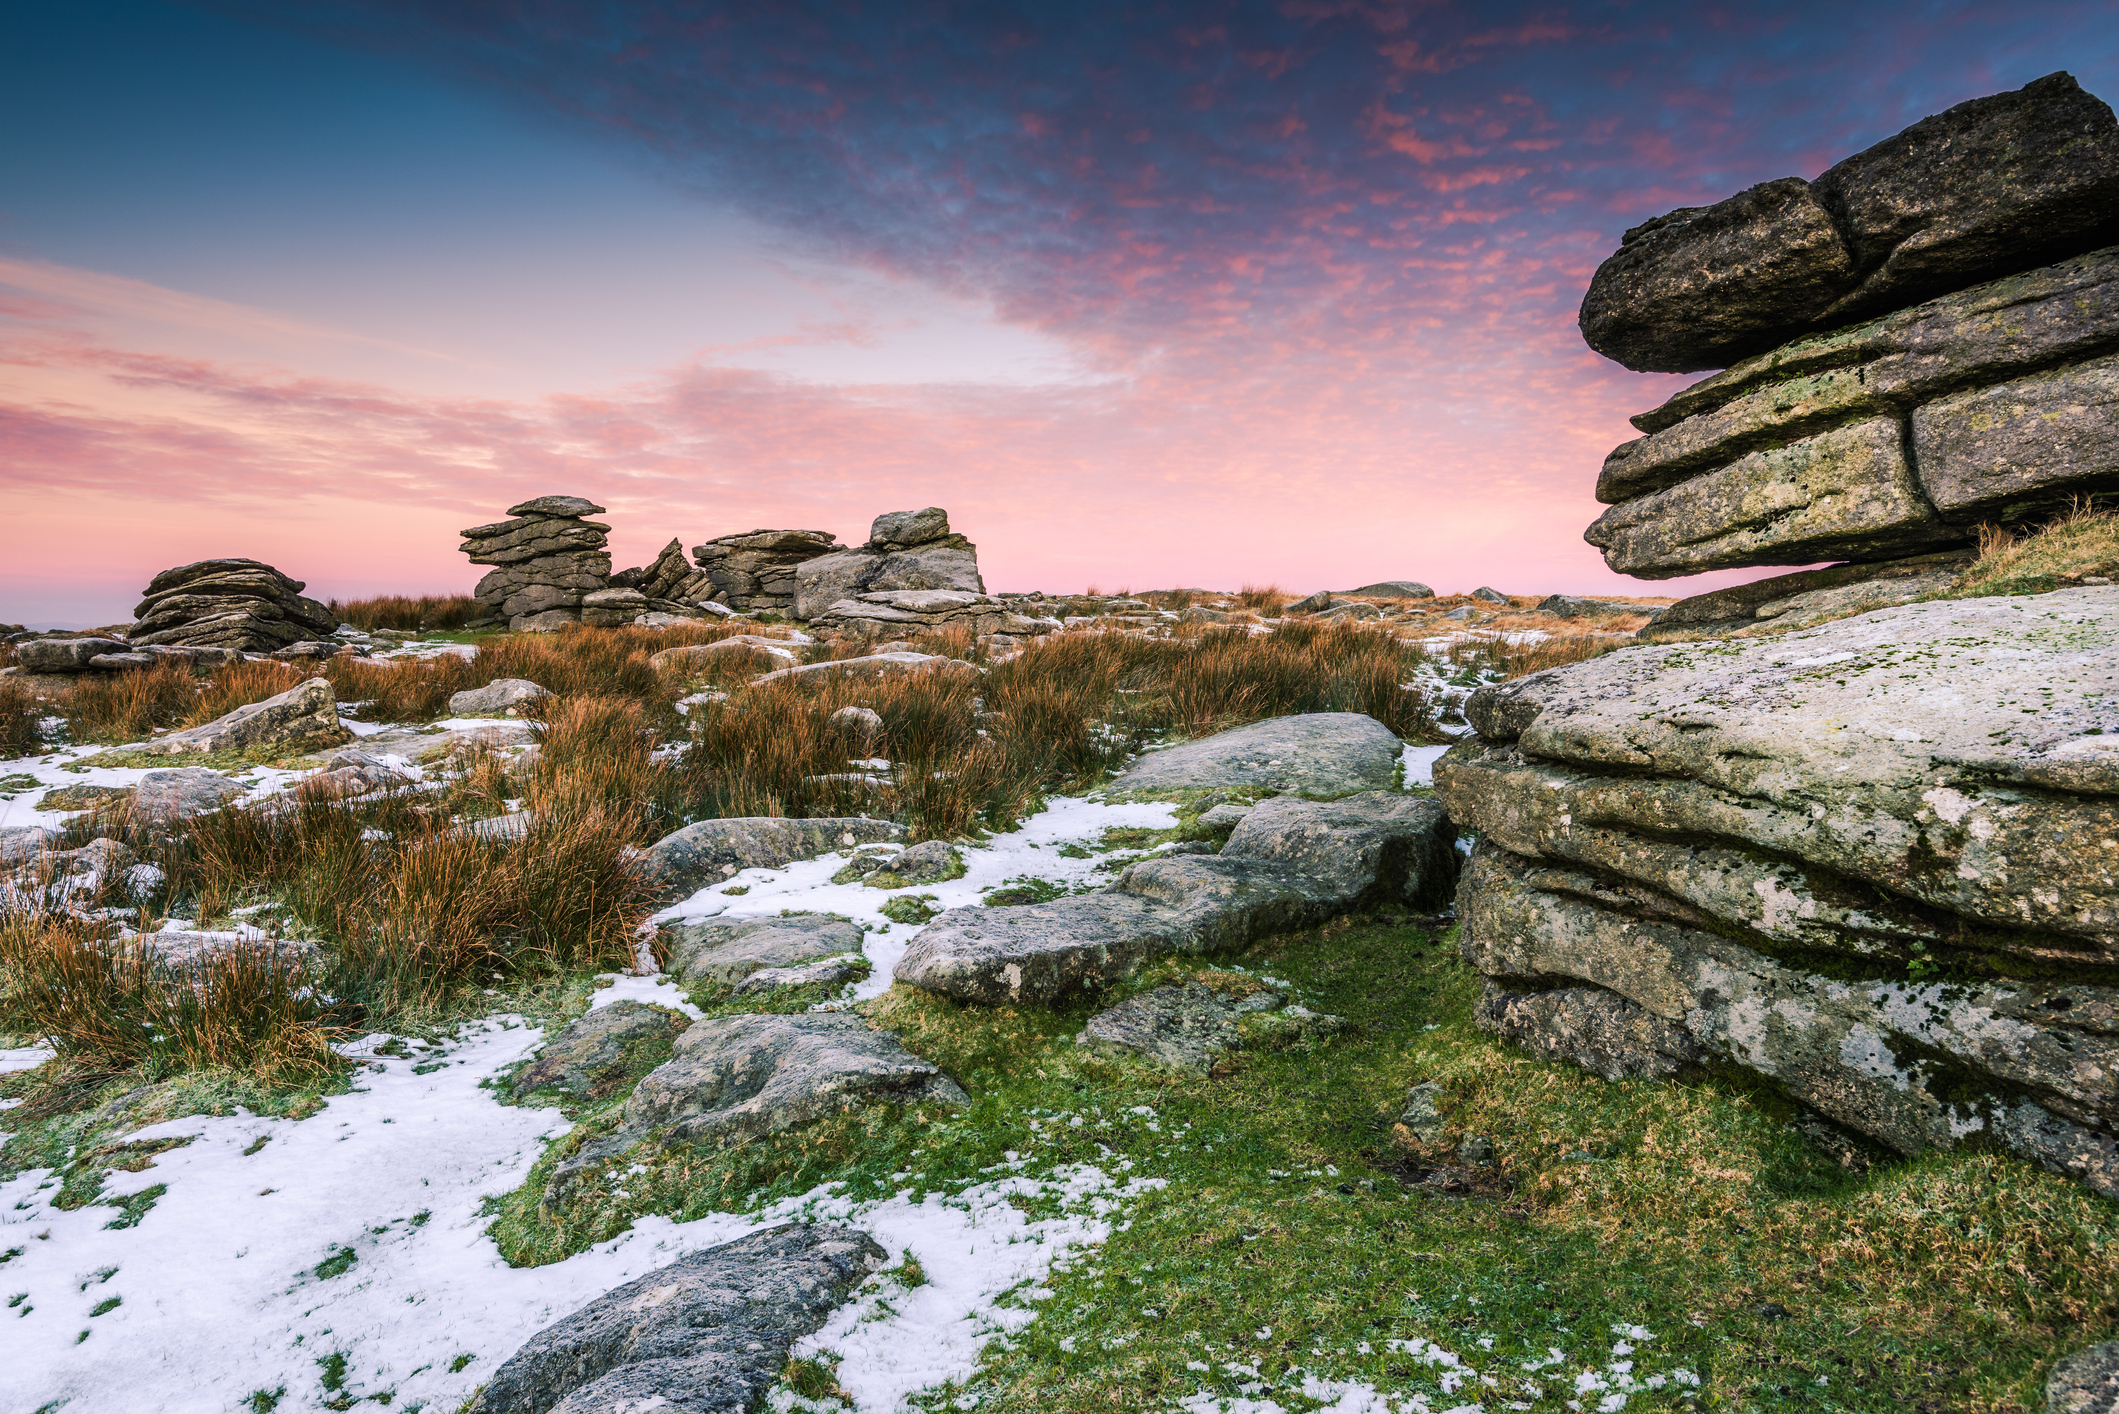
x: 116, y: 707
x: 441, y: 613
x: 114, y: 1006
x: 21, y: 720
x: 2081, y: 540
x: 1267, y: 599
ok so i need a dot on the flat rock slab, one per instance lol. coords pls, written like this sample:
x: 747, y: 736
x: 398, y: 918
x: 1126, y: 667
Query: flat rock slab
x: 824, y: 972
x: 428, y: 747
x: 1296, y: 865
x: 594, y: 1055
x: 875, y: 665
x: 735, y: 1078
x: 302, y: 715
x: 1187, y: 1026
x: 731, y: 949
x: 162, y: 797
x: 707, y: 1334
x: 1318, y: 753
x: 502, y: 697
x: 712, y: 850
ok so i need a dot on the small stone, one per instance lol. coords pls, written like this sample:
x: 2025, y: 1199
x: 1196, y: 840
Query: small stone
x: 1395, y: 589
x: 1422, y: 1113
x: 1487, y: 595
x: 729, y: 950
x: 1321, y: 600
x: 1225, y: 816
x: 2086, y: 1382
x: 502, y: 697
x: 599, y: 1053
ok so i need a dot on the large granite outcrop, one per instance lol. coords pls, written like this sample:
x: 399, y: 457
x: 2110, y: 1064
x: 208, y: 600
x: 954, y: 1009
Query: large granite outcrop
x: 1876, y: 861
x: 668, y: 582
x: 548, y: 559
x: 756, y: 570
x: 243, y: 605
x: 1991, y: 187
x: 906, y: 550
x: 1288, y: 864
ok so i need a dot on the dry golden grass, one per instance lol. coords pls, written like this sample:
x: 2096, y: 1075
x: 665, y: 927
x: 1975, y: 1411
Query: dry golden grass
x: 1266, y: 599
x: 2081, y: 541
x: 21, y: 720
x: 437, y: 613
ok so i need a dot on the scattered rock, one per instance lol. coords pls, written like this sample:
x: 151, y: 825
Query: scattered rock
x: 863, y: 722
x: 237, y: 604
x: 874, y: 665
x: 735, y: 1078
x: 1568, y: 606
x: 612, y: 608
x: 929, y: 863
x: 1225, y: 816
x: 303, y: 715
x: 19, y: 843
x: 731, y: 949
x: 84, y: 797
x: 711, y: 850
x: 707, y: 1334
x: 1185, y: 1027
x: 1988, y: 188
x: 502, y: 697
x: 195, y: 952
x: 1486, y: 595
x: 697, y: 657
x: 824, y: 972
x: 1276, y: 874
x: 1464, y: 614
x: 547, y: 560
x: 163, y: 797
x: 2086, y: 1382
x: 64, y: 655
x: 1316, y: 753
x: 669, y: 582
x: 602, y: 1051
x: 884, y: 613
x: 1422, y: 1114
x: 1322, y: 599
x: 1788, y: 602
x: 1595, y: 1029
x: 1396, y: 589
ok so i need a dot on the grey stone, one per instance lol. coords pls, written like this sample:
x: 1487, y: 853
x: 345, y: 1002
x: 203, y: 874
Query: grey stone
x: 85, y: 797
x: 903, y: 529
x: 1843, y: 494
x: 863, y: 722
x: 711, y: 850
x: 756, y: 570
x: 502, y: 697
x: 873, y: 665
x: 522, y: 542
x: 1422, y: 1113
x: 1322, y: 599
x: 598, y: 1053
x: 893, y: 613
x: 20, y: 843
x: 302, y: 715
x: 930, y: 862
x: 731, y: 949
x: 1182, y: 1027
x: 612, y: 608
x: 945, y: 562
x: 1808, y: 597
x: 163, y: 797
x: 427, y: 748
x: 1988, y: 188
x: 231, y: 604
x: 1703, y: 286
x: 2015, y: 1065
x: 198, y: 952
x: 1225, y: 816
x: 556, y: 506
x: 1316, y: 753
x: 64, y: 655
x: 2086, y: 1382
x: 1486, y: 595
x: 2021, y: 446
x: 1598, y: 1030
x: 707, y: 1334
x: 824, y: 972
x: 735, y: 1078
x: 1569, y: 606
x: 1463, y: 614
x: 700, y: 656
x: 1274, y: 875
x: 1396, y: 589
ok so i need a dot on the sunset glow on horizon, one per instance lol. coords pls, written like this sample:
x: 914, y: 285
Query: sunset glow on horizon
x: 1199, y: 294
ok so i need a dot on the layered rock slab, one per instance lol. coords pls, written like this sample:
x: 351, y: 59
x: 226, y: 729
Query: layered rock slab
x: 548, y: 559
x: 756, y: 569
x: 906, y: 550
x: 1775, y: 846
x: 1315, y: 753
x: 303, y: 715
x: 711, y: 850
x: 239, y: 604
x: 728, y: 950
x: 707, y: 1334
x: 1288, y: 864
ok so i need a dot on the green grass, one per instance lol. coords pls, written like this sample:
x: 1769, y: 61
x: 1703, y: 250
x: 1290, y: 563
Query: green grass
x: 1699, y: 1213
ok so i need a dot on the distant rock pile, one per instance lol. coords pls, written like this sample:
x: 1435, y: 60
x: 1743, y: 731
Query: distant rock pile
x: 240, y: 604
x: 1886, y: 440
x: 756, y: 570
x: 905, y: 550
x: 548, y: 561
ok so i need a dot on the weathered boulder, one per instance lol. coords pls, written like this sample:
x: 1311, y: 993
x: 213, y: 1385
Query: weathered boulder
x: 1570, y: 606
x: 1807, y: 598
x: 699, y: 656
x: 1916, y: 794
x: 85, y: 797
x: 237, y: 604
x: 756, y: 570
x: 302, y: 715
x: 1990, y: 187
x: 1304, y: 864
x: 731, y: 949
x: 889, y: 613
x: 707, y: 1334
x: 64, y: 655
x: 668, y: 579
x: 612, y: 608
x: 547, y: 560
x: 598, y: 1053
x: 1315, y: 753
x: 1186, y: 1027
x: 1395, y: 589
x: 906, y: 550
x: 734, y: 1078
x: 873, y: 665
x: 2086, y: 1382
x: 163, y: 797
x: 711, y: 850
x: 502, y: 697
x: 185, y: 951
x: 1598, y: 1030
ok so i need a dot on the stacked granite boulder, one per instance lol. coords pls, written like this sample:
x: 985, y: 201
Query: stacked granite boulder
x: 1976, y: 250
x: 548, y: 560
x: 237, y: 604
x: 1862, y: 847
x: 906, y: 550
x: 756, y: 570
x: 669, y: 583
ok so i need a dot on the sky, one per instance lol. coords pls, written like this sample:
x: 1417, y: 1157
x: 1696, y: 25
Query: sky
x: 1145, y: 295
